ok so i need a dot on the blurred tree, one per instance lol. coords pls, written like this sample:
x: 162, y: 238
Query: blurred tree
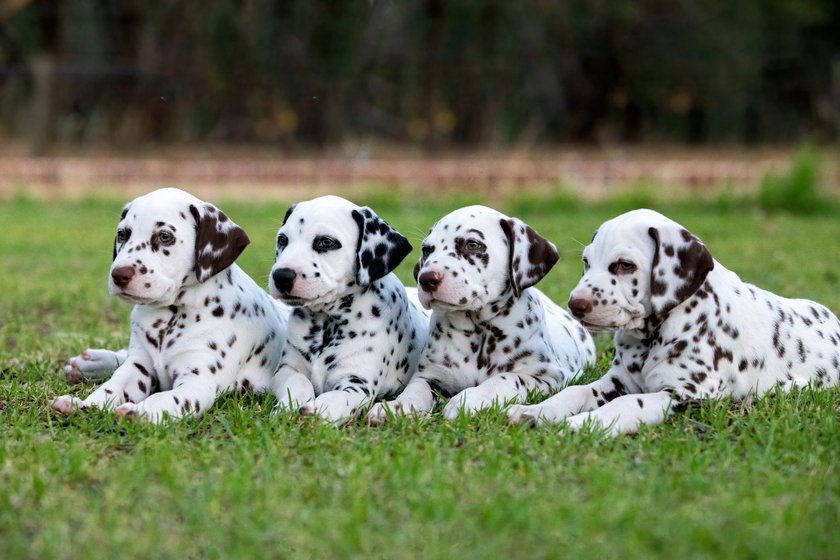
x: 428, y: 72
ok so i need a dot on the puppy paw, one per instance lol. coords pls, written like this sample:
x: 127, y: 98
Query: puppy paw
x: 466, y: 402
x: 527, y: 415
x: 381, y: 411
x: 66, y: 404
x: 132, y: 412
x: 333, y: 406
x: 92, y: 364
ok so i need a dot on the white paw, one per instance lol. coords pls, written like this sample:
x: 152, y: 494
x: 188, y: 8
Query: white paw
x: 523, y: 414
x: 91, y: 363
x: 333, y: 406
x: 136, y: 412
x: 466, y: 402
x: 576, y: 422
x: 66, y: 404
x: 380, y: 412
x: 535, y: 415
x: 586, y: 420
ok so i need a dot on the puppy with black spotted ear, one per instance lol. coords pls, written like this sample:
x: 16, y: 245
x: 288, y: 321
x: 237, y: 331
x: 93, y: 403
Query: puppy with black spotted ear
x: 493, y: 336
x: 354, y: 333
x: 686, y: 328
x: 200, y: 325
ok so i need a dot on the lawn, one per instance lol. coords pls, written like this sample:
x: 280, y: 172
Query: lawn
x: 758, y: 479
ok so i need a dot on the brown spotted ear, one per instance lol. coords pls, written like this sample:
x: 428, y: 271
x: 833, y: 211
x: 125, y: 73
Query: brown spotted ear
x: 680, y: 265
x: 380, y: 248
x: 531, y: 256
x: 116, y: 240
x: 218, y: 241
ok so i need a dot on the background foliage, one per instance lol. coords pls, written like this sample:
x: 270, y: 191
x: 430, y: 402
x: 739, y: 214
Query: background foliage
x: 428, y: 72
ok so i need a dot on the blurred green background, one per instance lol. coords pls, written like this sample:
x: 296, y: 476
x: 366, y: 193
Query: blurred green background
x: 309, y: 74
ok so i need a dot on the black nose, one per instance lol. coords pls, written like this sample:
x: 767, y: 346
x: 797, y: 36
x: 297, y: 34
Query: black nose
x: 580, y: 306
x: 284, y: 279
x: 122, y: 275
x: 430, y: 280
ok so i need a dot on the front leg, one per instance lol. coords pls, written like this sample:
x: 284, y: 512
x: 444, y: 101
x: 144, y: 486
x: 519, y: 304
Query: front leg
x: 192, y: 394
x: 624, y: 414
x: 574, y: 399
x: 496, y: 390
x: 417, y: 397
x: 133, y: 381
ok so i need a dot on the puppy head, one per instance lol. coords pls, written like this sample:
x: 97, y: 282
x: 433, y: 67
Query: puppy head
x: 475, y: 256
x: 328, y: 247
x: 169, y: 239
x: 638, y: 264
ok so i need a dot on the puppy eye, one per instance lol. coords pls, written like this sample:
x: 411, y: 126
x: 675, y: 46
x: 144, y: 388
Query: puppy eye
x: 426, y: 250
x: 166, y: 237
x: 585, y: 265
x: 122, y: 235
x: 474, y: 246
x: 324, y: 243
x: 282, y: 240
x: 622, y: 267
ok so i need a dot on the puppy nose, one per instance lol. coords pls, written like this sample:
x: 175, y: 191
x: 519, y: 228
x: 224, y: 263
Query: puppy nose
x: 122, y: 275
x: 580, y: 306
x: 284, y: 279
x: 430, y: 280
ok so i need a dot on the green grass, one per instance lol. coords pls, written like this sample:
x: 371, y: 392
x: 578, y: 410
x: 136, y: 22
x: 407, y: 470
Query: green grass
x: 722, y: 480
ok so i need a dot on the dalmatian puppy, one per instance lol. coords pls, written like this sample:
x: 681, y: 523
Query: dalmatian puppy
x: 200, y: 325
x: 354, y: 334
x: 686, y: 329
x: 493, y: 337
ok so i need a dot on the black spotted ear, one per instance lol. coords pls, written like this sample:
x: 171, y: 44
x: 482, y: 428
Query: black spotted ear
x: 531, y: 256
x: 122, y: 217
x: 288, y: 213
x: 380, y: 249
x: 218, y: 241
x: 680, y: 265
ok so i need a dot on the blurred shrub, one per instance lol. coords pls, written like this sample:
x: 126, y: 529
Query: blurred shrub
x: 795, y: 191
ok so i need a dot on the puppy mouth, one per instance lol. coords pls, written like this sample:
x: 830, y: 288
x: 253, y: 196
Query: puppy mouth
x: 430, y: 301
x: 293, y: 301
x: 136, y: 300
x: 623, y: 320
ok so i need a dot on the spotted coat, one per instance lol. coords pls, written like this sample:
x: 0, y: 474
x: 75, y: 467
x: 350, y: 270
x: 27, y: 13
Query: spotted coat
x: 355, y: 333
x: 200, y: 326
x: 686, y: 328
x: 493, y: 337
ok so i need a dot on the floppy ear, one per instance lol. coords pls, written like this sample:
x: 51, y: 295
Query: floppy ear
x: 380, y: 249
x: 122, y: 217
x: 218, y: 241
x: 288, y: 213
x: 680, y: 265
x: 531, y: 256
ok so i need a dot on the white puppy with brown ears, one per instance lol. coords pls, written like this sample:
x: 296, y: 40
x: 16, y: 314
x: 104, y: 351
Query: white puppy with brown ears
x: 686, y: 328
x: 200, y: 325
x: 493, y: 337
x: 354, y: 333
